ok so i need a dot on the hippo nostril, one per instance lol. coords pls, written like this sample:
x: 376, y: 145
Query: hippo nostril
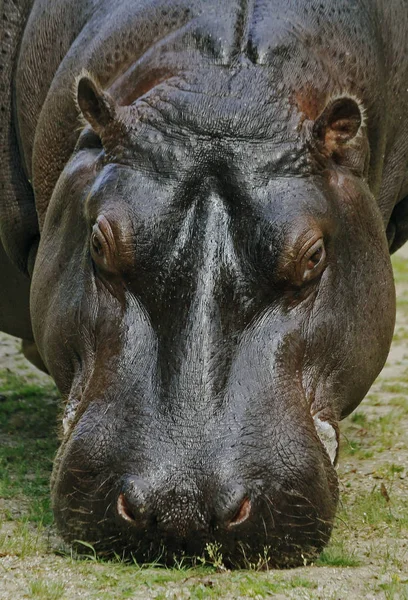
x: 242, y: 514
x: 124, y: 509
x: 233, y: 506
x: 131, y: 504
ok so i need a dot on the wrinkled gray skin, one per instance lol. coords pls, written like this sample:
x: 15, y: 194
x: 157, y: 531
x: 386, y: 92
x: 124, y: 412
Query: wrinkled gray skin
x: 214, y: 189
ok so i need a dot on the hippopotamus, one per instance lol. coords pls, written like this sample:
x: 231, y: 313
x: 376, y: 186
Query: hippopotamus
x: 198, y: 204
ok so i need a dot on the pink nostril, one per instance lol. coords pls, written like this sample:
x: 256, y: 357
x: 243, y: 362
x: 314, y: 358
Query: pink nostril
x: 242, y: 514
x: 124, y: 509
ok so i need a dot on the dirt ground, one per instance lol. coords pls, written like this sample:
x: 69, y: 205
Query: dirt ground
x: 368, y: 556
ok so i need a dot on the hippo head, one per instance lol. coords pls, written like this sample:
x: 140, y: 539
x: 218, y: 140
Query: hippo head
x: 212, y: 294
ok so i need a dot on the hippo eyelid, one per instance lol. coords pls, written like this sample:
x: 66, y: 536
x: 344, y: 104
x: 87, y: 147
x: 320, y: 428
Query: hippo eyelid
x: 106, y: 229
x: 311, y: 260
x: 102, y: 243
x: 98, y: 242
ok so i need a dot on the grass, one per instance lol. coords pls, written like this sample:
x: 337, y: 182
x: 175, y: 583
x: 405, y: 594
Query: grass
x: 337, y: 554
x: 399, y: 265
x: 367, y: 435
x: 395, y: 387
x: 28, y: 419
x: 46, y: 590
x: 20, y: 538
x: 396, y: 589
x: 202, y: 582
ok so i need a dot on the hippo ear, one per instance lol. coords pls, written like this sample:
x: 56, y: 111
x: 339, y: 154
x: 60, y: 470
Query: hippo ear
x: 96, y: 106
x: 338, y: 132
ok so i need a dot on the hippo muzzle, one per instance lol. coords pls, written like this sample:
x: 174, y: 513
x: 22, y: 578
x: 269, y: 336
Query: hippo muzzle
x: 259, y: 486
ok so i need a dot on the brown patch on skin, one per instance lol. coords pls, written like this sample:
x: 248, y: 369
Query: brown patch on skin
x: 308, y: 104
x: 337, y: 179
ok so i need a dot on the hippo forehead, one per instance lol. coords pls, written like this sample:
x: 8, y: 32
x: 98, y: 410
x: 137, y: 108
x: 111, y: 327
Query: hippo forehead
x: 240, y: 102
x: 216, y: 113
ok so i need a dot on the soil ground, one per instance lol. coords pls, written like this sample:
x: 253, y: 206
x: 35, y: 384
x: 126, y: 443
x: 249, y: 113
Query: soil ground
x: 366, y: 559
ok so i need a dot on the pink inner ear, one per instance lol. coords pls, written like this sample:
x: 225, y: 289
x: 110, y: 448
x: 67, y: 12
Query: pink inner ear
x: 338, y: 124
x: 343, y: 118
x: 336, y: 134
x: 346, y: 126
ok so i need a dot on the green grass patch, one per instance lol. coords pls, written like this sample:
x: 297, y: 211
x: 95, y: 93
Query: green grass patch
x: 359, y: 418
x: 337, y: 554
x: 400, y: 335
x: 115, y: 579
x: 365, y: 436
x: 372, y: 511
x: 400, y: 402
x: 21, y: 538
x: 356, y: 448
x: 396, y: 589
x: 46, y: 590
x: 399, y: 265
x: 28, y: 422
x: 395, y: 387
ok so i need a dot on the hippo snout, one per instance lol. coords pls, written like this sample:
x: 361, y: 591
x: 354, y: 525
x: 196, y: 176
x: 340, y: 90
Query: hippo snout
x: 168, y: 515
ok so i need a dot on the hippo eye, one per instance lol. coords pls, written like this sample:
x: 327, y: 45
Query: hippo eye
x: 102, y: 243
x: 313, y: 261
x: 98, y: 243
x: 315, y: 258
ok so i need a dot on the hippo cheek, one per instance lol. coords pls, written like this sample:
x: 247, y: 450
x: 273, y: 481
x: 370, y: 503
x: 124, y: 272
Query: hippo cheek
x: 83, y: 492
